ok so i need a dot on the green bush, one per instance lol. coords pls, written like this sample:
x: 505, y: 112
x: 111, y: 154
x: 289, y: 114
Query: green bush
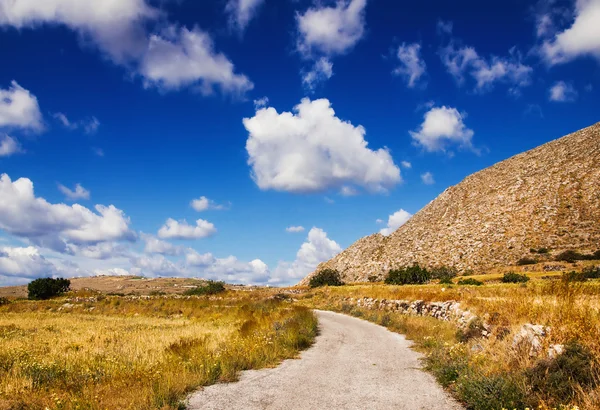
x: 444, y: 274
x: 4, y: 301
x: 326, y: 277
x: 573, y: 277
x: 560, y: 378
x: 573, y: 256
x: 526, y: 261
x: 211, y: 288
x: 592, y: 272
x: 46, y: 288
x: 413, y: 275
x: 512, y: 277
x: 491, y: 392
x: 469, y: 282
x: 541, y: 251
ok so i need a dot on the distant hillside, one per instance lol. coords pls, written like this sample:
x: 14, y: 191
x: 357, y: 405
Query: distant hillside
x: 548, y: 197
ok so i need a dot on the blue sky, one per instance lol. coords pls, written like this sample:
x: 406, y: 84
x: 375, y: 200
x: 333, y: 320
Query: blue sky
x: 342, y: 118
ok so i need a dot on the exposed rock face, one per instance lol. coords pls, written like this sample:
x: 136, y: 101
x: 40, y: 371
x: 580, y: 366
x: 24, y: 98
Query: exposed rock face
x: 548, y: 197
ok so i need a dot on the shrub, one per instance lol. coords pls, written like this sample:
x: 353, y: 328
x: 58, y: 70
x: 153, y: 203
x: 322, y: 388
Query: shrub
x: 526, y: 261
x: 541, y: 251
x: 46, y: 288
x: 444, y: 274
x: 573, y: 277
x: 491, y: 392
x: 561, y: 377
x: 413, y: 275
x: 596, y: 255
x: 592, y: 272
x: 326, y: 277
x: 373, y: 278
x: 211, y: 288
x: 469, y: 282
x: 446, y: 281
x: 572, y: 256
x: 4, y: 301
x: 512, y: 277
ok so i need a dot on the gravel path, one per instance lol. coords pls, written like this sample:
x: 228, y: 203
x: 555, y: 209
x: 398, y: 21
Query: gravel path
x: 353, y: 364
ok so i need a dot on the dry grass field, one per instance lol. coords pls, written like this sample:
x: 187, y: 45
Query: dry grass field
x: 91, y: 351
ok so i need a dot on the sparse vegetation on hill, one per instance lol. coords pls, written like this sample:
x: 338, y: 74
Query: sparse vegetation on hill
x: 469, y: 282
x: 326, y: 277
x: 512, y: 277
x: 46, y: 288
x: 211, y: 288
x: 91, y: 351
x: 413, y: 275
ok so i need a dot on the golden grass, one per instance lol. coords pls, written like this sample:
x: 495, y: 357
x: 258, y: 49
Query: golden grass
x: 571, y: 310
x: 130, y: 353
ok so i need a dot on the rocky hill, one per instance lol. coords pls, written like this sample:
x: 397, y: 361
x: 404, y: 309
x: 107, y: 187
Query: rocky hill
x: 548, y: 197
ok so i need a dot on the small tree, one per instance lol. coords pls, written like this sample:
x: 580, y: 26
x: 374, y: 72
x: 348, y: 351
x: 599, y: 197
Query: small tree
x: 413, y: 275
x: 326, y: 277
x: 211, y: 288
x: 46, y: 288
x: 512, y: 277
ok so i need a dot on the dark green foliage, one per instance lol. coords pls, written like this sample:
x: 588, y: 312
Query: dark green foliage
x: 573, y: 256
x: 574, y: 277
x: 326, y: 277
x: 512, y: 277
x: 446, y: 281
x: 592, y: 272
x: 46, y: 288
x: 444, y: 274
x: 4, y: 301
x: 211, y: 288
x: 413, y: 275
x: 526, y: 261
x: 491, y: 392
x: 469, y: 282
x: 560, y: 378
x: 373, y: 278
x: 541, y: 251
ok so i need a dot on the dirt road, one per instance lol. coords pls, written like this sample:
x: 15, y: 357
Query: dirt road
x: 354, y: 364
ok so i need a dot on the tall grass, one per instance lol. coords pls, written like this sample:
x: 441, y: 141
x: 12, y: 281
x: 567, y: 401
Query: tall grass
x: 120, y: 353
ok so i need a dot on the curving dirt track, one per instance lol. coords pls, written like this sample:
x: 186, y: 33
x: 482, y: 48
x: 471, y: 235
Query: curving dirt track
x: 354, y: 364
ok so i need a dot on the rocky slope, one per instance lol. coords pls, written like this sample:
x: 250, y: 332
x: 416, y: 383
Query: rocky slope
x: 548, y: 197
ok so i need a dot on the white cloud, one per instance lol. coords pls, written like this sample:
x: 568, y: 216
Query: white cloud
x: 444, y: 27
x: 486, y: 72
x: 331, y: 30
x: 181, y: 57
x: 103, y: 250
x: 155, y: 245
x: 53, y: 225
x: 204, y: 204
x: 443, y: 126
x: 379, y: 221
x: 242, y: 11
x: 317, y: 248
x: 98, y: 151
x: 89, y: 125
x: 156, y: 265
x: 427, y: 178
x: 24, y: 263
x: 73, y: 195
x: 9, y: 146
x: 18, y: 107
x: 261, y: 103
x: 395, y: 221
x: 582, y: 38
x: 321, y: 71
x: 175, y: 58
x: 294, y: 229
x: 173, y: 229
x: 406, y: 164
x: 112, y: 272
x: 412, y: 67
x: 562, y: 92
x: 312, y: 150
x: 348, y: 191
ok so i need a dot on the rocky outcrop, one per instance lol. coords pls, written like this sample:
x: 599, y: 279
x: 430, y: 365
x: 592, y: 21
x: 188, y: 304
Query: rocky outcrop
x: 548, y: 197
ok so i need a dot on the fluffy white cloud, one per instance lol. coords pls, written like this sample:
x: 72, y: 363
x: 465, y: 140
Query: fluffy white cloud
x: 312, y: 150
x: 321, y: 71
x: 204, y: 204
x: 582, y: 38
x: 406, y: 164
x: 442, y: 126
x: 156, y: 265
x: 427, y: 178
x: 294, y: 229
x: 173, y: 229
x: 261, y: 103
x: 242, y: 11
x: 175, y: 58
x: 486, y: 72
x: 317, y: 248
x: 24, y: 263
x: 229, y: 269
x: 412, y: 67
x: 73, y: 195
x: 52, y: 225
x: 182, y: 57
x: 155, y: 245
x: 19, y: 108
x: 395, y: 221
x: 562, y: 92
x: 9, y: 146
x: 103, y: 250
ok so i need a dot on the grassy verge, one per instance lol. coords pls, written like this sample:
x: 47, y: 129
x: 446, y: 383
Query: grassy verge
x: 493, y: 373
x: 136, y: 353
